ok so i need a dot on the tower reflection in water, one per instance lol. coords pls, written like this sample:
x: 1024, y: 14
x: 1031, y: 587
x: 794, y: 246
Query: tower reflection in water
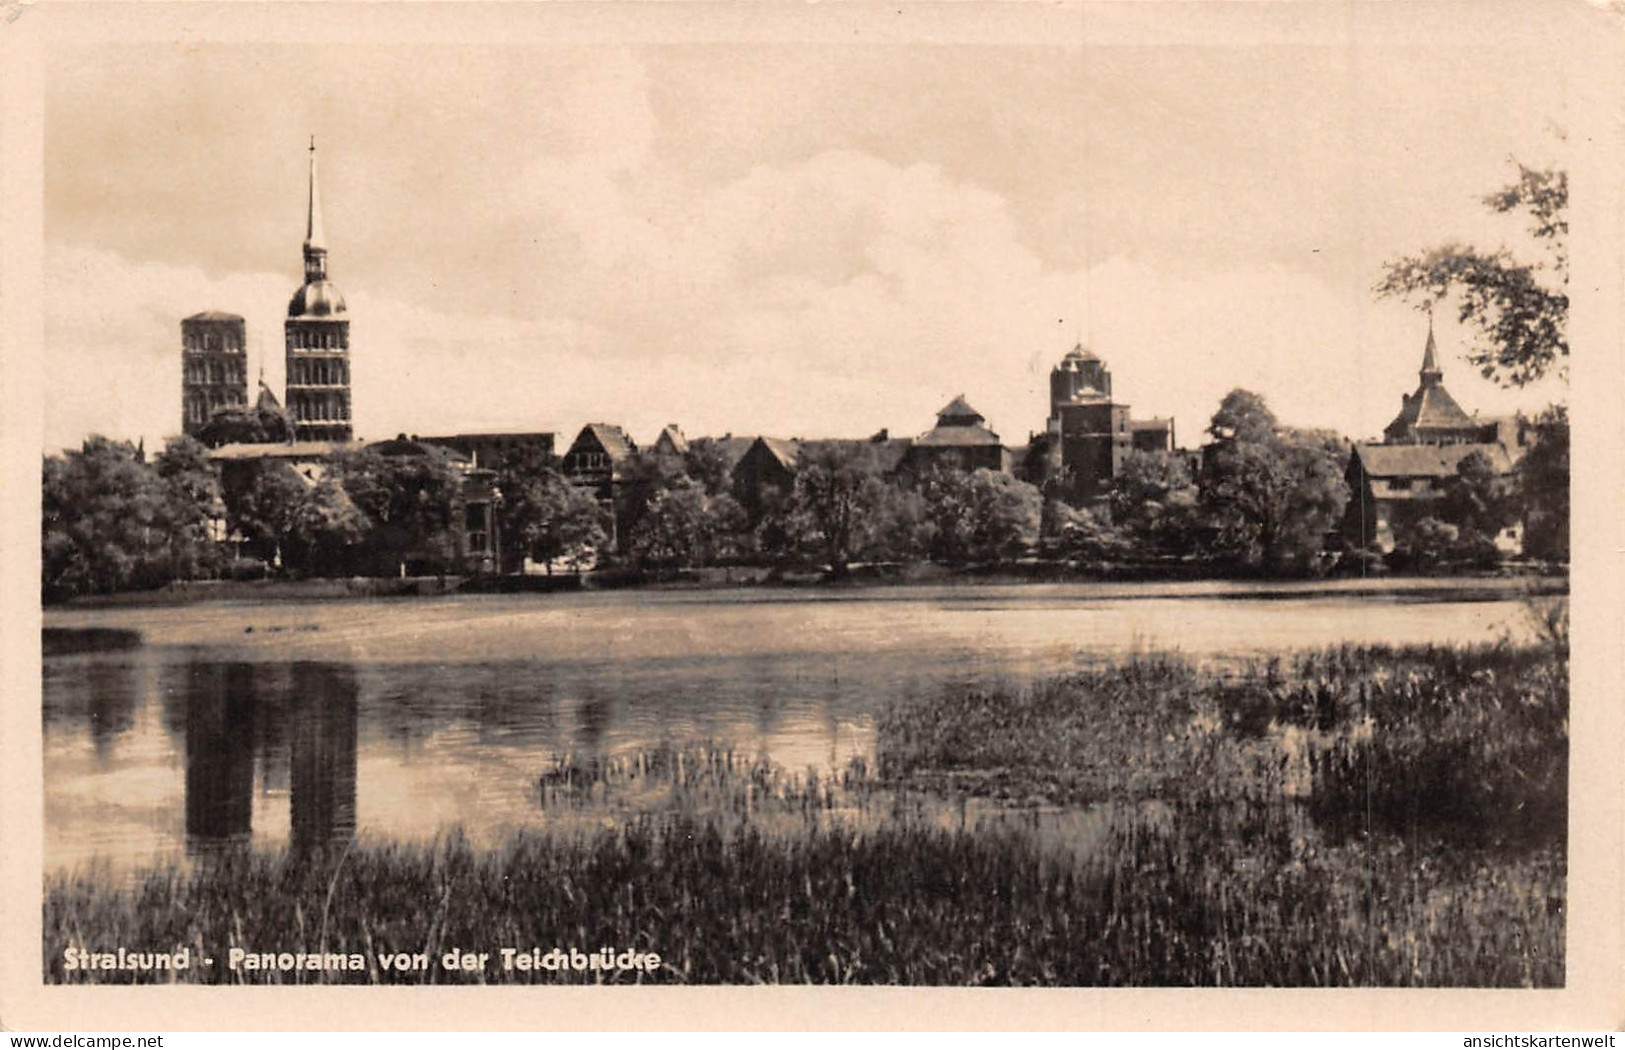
x: 238, y: 717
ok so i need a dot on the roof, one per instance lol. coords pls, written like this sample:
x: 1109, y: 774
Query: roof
x: 671, y: 439
x: 611, y: 438
x: 958, y: 425
x: 213, y: 315
x: 1154, y: 423
x: 319, y: 298
x: 786, y: 450
x: 733, y: 448
x: 405, y: 446
x: 1430, y: 408
x: 291, y: 450
x: 888, y: 453
x: 957, y: 436
x: 541, y: 436
x: 958, y: 412
x: 1425, y: 461
x: 1079, y: 352
x: 1430, y: 353
x: 267, y: 401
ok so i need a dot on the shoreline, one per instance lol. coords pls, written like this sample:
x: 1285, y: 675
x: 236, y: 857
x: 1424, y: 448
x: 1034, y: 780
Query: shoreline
x: 1486, y: 587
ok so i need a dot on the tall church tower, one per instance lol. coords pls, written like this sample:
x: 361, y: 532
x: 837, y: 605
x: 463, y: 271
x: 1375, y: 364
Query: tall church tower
x: 318, y: 333
x: 1089, y: 432
x: 214, y: 367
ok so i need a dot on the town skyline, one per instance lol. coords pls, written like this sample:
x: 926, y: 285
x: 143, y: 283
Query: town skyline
x: 624, y: 261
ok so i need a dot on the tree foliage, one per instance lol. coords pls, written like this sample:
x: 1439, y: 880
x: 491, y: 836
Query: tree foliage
x: 1542, y: 488
x: 838, y: 498
x: 407, y: 502
x: 1154, y: 504
x: 1273, y: 492
x: 707, y: 463
x: 684, y: 526
x: 1477, y: 500
x: 254, y: 425
x: 1518, y: 309
x: 982, y: 516
x: 111, y: 521
x: 641, y: 477
x: 309, y: 525
x: 547, y: 519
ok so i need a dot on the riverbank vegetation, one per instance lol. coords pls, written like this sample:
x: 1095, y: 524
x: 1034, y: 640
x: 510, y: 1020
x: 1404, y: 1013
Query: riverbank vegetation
x: 1358, y: 817
x: 1263, y: 503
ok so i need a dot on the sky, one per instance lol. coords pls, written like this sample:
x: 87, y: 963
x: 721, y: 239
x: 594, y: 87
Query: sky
x: 803, y: 240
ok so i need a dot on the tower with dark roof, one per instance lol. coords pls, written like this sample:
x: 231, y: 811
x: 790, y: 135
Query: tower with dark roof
x: 318, y: 340
x: 1081, y: 376
x: 1431, y: 416
x: 214, y: 367
x: 1089, y: 432
x: 1090, y: 435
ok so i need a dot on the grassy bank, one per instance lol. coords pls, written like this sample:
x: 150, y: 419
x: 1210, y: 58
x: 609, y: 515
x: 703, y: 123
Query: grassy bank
x: 1359, y: 817
x: 1159, y: 905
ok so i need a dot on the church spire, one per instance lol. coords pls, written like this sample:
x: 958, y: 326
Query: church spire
x: 315, y: 236
x: 1431, y: 372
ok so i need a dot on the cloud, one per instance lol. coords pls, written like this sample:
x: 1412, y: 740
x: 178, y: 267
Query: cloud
x: 831, y: 296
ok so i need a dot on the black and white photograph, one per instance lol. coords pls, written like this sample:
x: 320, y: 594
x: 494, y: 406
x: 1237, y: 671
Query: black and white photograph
x: 1025, y: 496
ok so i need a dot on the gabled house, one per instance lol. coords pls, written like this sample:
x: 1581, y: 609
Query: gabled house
x: 595, y: 458
x: 1391, y: 486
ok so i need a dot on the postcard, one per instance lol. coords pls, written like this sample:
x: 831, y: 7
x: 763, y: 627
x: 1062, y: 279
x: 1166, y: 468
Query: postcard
x: 806, y: 516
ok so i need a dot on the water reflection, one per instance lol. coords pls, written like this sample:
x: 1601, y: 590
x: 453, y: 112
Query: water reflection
x: 219, y: 717
x: 98, y: 695
x: 296, y: 726
x: 396, y: 722
x: 322, y: 756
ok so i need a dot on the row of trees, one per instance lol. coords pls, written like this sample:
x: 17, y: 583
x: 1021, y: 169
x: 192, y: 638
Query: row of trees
x: 1266, y: 498
x: 112, y: 520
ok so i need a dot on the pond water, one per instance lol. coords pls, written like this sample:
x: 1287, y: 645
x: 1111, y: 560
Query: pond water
x: 284, y: 722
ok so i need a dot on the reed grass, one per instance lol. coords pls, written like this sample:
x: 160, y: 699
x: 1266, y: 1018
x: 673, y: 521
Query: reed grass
x: 1350, y: 818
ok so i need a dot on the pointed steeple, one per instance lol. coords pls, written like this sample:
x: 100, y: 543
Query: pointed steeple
x: 315, y: 236
x: 1431, y: 372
